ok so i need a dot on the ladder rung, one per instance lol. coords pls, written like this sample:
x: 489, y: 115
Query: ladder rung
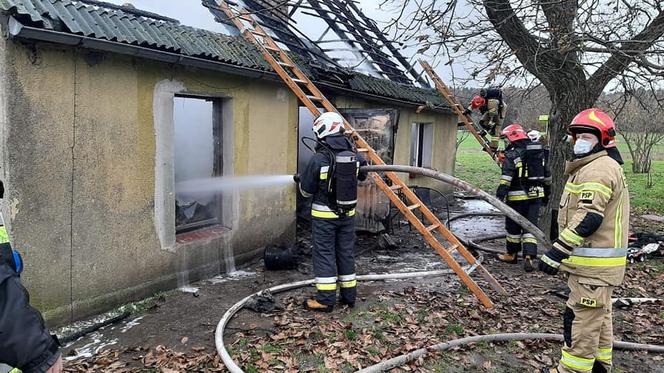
x: 285, y: 64
x: 300, y: 81
x: 247, y: 18
x: 315, y: 98
x: 415, y: 206
x: 258, y: 33
x: 396, y: 187
x: 364, y: 150
x: 452, y: 249
x: 272, y: 49
x: 432, y: 227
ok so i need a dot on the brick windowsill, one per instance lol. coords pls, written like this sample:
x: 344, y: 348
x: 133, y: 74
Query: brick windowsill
x: 201, y: 234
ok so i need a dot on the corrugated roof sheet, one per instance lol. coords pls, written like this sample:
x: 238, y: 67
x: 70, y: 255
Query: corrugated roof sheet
x: 388, y: 88
x: 127, y: 25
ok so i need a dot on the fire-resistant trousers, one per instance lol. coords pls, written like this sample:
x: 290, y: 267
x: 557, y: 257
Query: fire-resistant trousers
x: 588, y: 327
x: 334, y: 259
x: 517, y: 237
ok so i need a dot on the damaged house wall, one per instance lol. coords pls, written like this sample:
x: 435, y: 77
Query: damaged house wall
x: 443, y: 145
x: 87, y: 168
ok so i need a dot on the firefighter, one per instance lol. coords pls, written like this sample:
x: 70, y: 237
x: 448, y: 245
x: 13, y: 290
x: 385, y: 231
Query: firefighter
x: 521, y: 187
x: 492, y: 107
x: 331, y: 178
x: 535, y: 137
x: 592, y: 245
x: 24, y: 340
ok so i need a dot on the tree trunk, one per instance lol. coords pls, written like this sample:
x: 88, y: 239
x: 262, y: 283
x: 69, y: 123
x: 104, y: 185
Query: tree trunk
x: 565, y: 105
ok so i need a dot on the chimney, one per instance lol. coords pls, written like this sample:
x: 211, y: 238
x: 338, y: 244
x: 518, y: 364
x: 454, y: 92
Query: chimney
x: 278, y: 8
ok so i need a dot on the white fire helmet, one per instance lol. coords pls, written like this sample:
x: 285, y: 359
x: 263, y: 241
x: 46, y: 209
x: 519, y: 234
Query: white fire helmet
x: 534, y: 135
x: 327, y: 124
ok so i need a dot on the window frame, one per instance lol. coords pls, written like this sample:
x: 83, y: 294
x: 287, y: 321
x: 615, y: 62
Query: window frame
x: 217, y: 165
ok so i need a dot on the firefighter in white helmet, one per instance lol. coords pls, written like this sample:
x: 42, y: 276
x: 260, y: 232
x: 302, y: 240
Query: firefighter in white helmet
x: 331, y: 179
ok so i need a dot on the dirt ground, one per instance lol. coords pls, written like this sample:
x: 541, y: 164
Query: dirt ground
x: 175, y: 331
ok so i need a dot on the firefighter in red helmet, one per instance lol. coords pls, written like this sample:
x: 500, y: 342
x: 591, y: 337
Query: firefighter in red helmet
x: 492, y: 107
x: 592, y: 245
x: 521, y: 186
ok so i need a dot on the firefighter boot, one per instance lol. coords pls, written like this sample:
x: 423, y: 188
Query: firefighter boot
x: 508, y: 258
x: 312, y: 304
x: 528, y: 264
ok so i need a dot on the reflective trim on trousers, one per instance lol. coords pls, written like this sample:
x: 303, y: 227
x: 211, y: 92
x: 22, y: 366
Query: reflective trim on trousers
x: 575, y: 362
x: 604, y: 354
x: 348, y: 284
x: 347, y: 277
x: 326, y: 283
x: 513, y: 238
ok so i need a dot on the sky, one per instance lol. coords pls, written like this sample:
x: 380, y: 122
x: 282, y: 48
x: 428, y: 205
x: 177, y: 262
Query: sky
x: 192, y: 13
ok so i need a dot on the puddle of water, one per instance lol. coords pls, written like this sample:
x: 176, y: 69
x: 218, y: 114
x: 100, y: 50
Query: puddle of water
x: 477, y: 205
x: 188, y: 289
x: 232, y: 276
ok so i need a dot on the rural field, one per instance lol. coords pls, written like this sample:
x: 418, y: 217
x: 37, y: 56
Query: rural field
x: 475, y: 167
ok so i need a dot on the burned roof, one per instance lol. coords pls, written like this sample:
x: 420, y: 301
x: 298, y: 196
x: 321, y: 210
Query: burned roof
x: 129, y: 26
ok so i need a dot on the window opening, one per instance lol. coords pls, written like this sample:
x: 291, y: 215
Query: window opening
x: 198, y: 155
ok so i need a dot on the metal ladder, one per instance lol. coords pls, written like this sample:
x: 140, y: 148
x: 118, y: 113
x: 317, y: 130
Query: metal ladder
x: 459, y: 109
x: 310, y: 96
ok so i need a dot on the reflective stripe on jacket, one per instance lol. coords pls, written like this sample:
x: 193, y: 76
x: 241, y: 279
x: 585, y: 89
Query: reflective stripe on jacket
x: 596, y: 186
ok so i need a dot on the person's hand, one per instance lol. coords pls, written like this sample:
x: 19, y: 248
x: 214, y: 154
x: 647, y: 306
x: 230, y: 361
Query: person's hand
x: 467, y: 112
x: 57, y: 367
x: 549, y: 263
x: 296, y: 178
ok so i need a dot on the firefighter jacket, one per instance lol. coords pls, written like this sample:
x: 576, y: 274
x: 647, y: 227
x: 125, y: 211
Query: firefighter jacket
x: 594, y: 219
x: 514, y: 183
x: 314, y: 180
x: 24, y: 340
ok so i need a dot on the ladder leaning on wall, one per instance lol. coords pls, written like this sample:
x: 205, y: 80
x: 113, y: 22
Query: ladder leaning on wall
x: 310, y: 96
x: 459, y: 109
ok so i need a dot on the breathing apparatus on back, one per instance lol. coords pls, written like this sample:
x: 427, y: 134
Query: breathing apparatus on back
x: 343, y: 163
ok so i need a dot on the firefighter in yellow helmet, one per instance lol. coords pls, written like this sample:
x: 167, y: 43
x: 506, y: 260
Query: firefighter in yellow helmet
x: 592, y: 244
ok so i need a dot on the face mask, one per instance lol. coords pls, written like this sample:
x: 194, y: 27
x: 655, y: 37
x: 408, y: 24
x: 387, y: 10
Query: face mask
x: 582, y: 147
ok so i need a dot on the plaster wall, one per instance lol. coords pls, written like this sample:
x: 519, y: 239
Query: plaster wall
x: 86, y: 156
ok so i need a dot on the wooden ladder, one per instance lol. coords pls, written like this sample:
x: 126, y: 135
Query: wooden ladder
x: 312, y: 98
x: 459, y: 109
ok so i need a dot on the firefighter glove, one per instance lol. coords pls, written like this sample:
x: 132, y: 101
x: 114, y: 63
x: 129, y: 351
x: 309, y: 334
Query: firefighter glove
x: 467, y: 112
x: 549, y: 263
x: 502, y: 191
x: 296, y: 178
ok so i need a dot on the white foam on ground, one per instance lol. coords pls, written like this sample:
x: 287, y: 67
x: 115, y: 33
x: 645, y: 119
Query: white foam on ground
x: 131, y: 324
x: 232, y: 276
x: 92, y: 348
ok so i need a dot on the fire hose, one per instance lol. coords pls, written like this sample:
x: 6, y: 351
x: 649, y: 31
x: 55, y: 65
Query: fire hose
x: 448, y: 179
x: 219, y: 333
x: 403, y: 359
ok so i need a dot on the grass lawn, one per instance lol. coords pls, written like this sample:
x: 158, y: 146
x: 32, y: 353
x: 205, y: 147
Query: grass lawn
x: 476, y: 167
